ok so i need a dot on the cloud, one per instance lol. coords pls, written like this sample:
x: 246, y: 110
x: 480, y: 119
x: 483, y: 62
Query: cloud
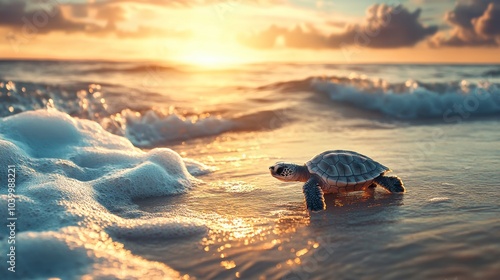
x: 23, y: 16
x: 193, y: 3
x: 17, y: 16
x: 95, y: 18
x: 474, y: 23
x: 489, y: 23
x: 384, y: 27
x: 111, y: 13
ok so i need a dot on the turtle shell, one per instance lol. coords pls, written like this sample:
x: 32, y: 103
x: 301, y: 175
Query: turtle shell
x: 343, y: 171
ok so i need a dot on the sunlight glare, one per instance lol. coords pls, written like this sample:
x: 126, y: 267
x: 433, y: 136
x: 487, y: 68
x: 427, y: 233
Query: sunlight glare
x: 212, y: 58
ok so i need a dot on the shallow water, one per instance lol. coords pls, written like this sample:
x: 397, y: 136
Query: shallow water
x: 446, y: 226
x: 232, y: 219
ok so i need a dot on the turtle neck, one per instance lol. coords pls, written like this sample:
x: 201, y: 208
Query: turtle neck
x: 303, y: 173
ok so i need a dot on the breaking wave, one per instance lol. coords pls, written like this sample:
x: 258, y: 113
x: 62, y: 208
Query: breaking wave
x: 149, y: 126
x: 412, y: 100
x: 144, y: 127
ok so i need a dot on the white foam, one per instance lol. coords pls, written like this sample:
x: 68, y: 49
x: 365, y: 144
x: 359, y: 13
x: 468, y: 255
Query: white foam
x: 152, y: 129
x: 75, y: 185
x: 439, y: 199
x: 147, y: 129
x: 410, y: 100
x: 73, y: 252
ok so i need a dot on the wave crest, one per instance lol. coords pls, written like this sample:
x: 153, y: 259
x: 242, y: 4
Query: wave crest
x: 153, y: 128
x: 412, y: 100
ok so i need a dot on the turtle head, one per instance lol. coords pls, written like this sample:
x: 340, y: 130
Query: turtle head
x: 284, y: 171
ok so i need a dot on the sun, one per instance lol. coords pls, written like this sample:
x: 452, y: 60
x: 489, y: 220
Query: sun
x: 208, y: 59
x: 214, y: 58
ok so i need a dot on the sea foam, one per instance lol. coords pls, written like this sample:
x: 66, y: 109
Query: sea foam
x: 144, y: 128
x: 412, y: 100
x: 75, y: 185
x: 152, y: 128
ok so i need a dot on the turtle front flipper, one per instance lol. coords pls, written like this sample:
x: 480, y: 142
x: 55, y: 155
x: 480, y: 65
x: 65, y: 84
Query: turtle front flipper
x: 390, y: 183
x: 314, y: 195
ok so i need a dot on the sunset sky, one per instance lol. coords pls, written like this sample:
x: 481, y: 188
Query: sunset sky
x: 240, y: 31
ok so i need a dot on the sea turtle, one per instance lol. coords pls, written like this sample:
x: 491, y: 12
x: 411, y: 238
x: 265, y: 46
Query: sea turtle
x: 335, y: 172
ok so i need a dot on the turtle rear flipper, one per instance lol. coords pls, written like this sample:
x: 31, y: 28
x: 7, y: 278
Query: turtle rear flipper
x: 314, y: 195
x: 390, y: 183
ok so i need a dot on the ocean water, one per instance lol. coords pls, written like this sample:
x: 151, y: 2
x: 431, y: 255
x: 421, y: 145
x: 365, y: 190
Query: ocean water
x: 160, y: 171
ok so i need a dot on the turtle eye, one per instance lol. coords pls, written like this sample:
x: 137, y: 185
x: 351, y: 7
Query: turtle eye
x: 279, y: 170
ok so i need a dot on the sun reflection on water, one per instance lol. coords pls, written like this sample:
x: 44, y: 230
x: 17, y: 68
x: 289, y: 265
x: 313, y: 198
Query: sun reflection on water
x: 230, y: 238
